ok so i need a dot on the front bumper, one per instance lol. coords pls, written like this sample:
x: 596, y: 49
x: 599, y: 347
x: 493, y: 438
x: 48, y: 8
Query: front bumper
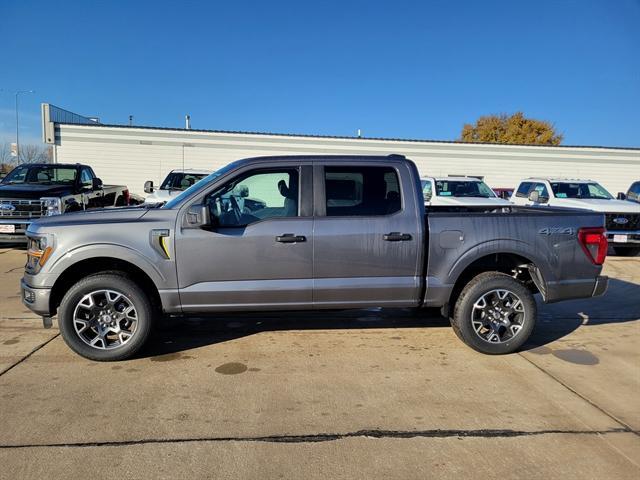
x: 20, y: 229
x: 632, y: 237
x: 36, y: 299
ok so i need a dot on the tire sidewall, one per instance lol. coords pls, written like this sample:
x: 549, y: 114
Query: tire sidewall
x: 479, y: 286
x: 119, y: 284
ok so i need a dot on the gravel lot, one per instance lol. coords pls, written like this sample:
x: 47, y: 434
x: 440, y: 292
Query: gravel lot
x: 366, y: 394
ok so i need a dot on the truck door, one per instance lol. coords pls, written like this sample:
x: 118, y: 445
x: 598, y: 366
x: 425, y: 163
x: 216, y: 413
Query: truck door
x: 257, y: 253
x: 91, y: 198
x: 368, y: 235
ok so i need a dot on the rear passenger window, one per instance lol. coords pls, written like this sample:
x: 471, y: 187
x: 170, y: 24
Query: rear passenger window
x: 523, y: 189
x: 361, y: 191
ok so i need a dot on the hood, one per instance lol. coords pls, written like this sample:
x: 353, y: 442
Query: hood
x: 162, y: 196
x: 469, y: 201
x: 602, y: 206
x: 33, y: 191
x: 90, y: 217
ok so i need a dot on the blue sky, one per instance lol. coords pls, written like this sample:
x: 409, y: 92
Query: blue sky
x: 393, y: 69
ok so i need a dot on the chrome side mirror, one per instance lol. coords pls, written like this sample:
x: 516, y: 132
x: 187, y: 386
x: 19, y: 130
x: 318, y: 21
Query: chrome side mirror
x: 148, y: 186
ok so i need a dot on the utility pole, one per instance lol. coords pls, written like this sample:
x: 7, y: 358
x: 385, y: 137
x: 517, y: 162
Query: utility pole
x: 18, y: 122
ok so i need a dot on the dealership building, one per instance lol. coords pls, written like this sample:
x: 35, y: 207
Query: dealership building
x: 131, y: 154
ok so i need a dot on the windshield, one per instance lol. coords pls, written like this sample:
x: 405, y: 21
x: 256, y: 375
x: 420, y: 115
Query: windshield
x: 181, y: 181
x: 592, y: 191
x: 463, y: 188
x: 41, y: 175
x: 201, y: 185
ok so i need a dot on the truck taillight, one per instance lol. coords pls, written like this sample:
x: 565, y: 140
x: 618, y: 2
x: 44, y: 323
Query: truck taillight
x: 125, y: 194
x: 594, y: 243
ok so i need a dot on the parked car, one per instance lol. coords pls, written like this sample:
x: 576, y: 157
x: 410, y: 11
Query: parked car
x: 465, y: 192
x: 31, y: 191
x: 504, y: 193
x: 334, y: 233
x: 175, y: 182
x: 633, y: 194
x: 622, y: 217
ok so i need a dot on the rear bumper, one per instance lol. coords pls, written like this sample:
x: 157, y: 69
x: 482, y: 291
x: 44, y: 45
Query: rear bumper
x: 36, y: 299
x: 632, y: 237
x: 572, y: 289
x: 602, y: 283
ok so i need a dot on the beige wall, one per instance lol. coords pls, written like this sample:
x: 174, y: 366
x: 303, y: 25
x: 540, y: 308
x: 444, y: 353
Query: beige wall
x: 129, y: 155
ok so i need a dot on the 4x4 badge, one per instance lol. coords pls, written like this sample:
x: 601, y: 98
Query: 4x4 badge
x: 556, y: 231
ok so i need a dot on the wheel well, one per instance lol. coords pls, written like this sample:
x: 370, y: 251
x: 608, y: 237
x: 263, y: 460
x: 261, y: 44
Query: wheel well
x: 508, y: 263
x: 92, y: 266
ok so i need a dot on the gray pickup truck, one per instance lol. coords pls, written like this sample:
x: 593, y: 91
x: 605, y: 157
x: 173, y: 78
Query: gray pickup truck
x: 329, y: 233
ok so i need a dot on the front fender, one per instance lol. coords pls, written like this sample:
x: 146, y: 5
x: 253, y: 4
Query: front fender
x: 99, y: 250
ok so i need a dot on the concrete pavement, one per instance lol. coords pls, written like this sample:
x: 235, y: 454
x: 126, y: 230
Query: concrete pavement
x: 353, y: 395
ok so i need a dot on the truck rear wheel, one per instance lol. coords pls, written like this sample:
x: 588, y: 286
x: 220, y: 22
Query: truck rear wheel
x: 105, y: 317
x: 494, y: 314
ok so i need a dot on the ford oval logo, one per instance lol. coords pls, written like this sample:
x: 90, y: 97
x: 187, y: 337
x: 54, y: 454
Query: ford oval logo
x: 621, y: 220
x: 7, y: 207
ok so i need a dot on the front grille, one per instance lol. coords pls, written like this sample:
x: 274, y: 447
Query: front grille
x: 632, y: 221
x: 11, y: 208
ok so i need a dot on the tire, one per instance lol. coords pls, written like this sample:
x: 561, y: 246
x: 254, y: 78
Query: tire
x: 92, y: 303
x: 468, y: 316
x: 627, y: 251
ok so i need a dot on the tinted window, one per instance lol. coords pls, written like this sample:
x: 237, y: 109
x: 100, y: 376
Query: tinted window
x: 426, y: 189
x: 43, y: 175
x: 181, y: 181
x: 541, y: 188
x: 85, y: 178
x: 523, y: 189
x: 634, y: 191
x: 255, y: 196
x: 361, y: 191
x: 463, y: 188
x: 580, y: 190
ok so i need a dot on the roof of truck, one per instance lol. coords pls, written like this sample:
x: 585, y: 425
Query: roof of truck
x: 555, y: 179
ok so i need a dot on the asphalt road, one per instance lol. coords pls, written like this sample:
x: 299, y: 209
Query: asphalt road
x: 368, y: 394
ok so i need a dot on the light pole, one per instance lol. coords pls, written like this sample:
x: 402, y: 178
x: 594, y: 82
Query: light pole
x: 17, y: 122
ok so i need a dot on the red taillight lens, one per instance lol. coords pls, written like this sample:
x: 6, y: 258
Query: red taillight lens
x: 594, y: 243
x: 125, y: 194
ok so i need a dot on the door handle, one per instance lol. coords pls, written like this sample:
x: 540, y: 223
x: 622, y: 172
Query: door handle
x: 290, y: 238
x: 397, y: 237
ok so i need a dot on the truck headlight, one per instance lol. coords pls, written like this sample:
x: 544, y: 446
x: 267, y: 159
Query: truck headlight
x: 51, y: 206
x: 40, y: 248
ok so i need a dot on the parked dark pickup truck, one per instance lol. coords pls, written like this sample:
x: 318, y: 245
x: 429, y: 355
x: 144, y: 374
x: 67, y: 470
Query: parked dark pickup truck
x: 332, y: 233
x: 31, y: 191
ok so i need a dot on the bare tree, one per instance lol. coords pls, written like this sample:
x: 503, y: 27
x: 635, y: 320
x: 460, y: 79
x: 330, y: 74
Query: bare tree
x: 6, y: 160
x: 30, y: 153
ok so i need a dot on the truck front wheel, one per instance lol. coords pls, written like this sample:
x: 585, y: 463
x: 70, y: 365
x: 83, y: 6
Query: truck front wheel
x: 494, y: 314
x: 105, y: 317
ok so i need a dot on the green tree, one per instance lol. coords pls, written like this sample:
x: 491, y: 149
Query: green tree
x: 514, y: 128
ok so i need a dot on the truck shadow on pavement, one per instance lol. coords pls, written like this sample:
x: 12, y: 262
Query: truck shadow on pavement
x: 620, y: 304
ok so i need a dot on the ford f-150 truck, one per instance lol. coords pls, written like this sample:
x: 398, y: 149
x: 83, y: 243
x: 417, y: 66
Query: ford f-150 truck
x: 333, y: 233
x: 31, y: 191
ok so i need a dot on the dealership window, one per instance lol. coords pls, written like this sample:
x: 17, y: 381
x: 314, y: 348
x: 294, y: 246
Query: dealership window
x: 361, y: 191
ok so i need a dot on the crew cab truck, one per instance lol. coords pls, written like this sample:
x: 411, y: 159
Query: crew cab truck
x: 175, y: 182
x: 333, y: 233
x: 31, y: 191
x: 622, y: 218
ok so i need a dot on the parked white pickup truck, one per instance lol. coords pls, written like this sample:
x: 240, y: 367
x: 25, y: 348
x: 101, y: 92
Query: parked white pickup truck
x: 622, y: 217
x: 464, y: 192
x: 176, y: 182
